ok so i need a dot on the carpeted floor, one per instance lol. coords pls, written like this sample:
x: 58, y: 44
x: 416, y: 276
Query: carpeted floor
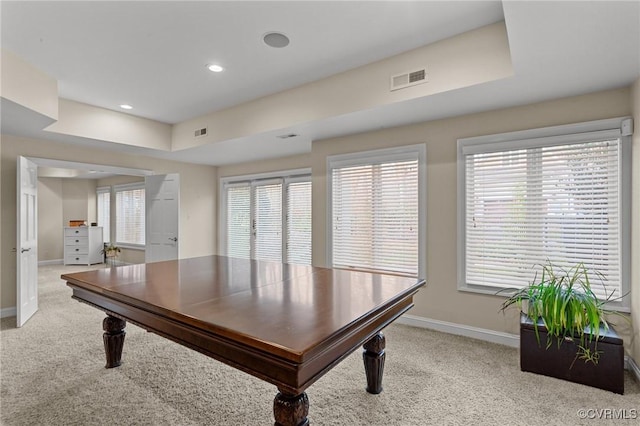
x: 52, y: 373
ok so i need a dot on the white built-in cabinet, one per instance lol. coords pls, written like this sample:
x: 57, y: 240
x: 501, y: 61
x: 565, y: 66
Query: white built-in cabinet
x: 83, y: 245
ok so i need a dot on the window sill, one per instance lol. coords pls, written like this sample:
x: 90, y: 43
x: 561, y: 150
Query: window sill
x: 504, y: 293
x: 131, y: 246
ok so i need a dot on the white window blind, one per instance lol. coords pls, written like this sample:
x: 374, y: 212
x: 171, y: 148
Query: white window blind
x: 104, y: 211
x: 375, y: 209
x: 298, y: 220
x: 268, y: 222
x: 544, y: 201
x: 130, y: 214
x: 239, y: 221
x: 268, y: 218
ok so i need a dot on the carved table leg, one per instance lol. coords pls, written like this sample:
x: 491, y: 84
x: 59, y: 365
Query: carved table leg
x: 291, y: 410
x: 373, y: 357
x: 113, y: 340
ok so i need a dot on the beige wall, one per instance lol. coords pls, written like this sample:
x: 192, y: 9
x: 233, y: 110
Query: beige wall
x: 50, y: 222
x: 78, y: 200
x: 60, y: 201
x: 26, y: 85
x: 88, y: 121
x: 266, y: 166
x: 198, y: 188
x: 635, y: 224
x: 441, y: 299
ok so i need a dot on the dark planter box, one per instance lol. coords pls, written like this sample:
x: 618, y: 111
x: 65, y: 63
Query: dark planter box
x: 556, y: 361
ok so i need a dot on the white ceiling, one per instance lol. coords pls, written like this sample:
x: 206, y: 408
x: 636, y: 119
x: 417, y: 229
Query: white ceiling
x: 153, y: 55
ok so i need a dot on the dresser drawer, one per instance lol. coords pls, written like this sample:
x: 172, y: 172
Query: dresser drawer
x: 73, y: 259
x: 76, y: 250
x: 76, y: 241
x: 78, y: 231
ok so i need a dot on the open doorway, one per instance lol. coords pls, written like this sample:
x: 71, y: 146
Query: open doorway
x: 81, y: 202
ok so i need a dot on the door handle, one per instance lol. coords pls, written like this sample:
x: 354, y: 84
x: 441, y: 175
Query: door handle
x: 23, y: 250
x: 174, y: 239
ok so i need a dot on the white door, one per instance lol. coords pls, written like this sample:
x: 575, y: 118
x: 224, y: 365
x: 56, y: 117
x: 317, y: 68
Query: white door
x: 162, y: 198
x: 27, y: 240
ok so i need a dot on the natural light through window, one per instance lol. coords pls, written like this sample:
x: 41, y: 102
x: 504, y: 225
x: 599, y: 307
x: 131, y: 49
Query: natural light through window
x: 130, y: 214
x: 557, y: 199
x: 375, y: 212
x: 268, y: 218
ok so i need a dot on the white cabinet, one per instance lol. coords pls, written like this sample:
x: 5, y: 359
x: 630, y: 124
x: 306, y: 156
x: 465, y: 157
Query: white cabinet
x: 82, y: 245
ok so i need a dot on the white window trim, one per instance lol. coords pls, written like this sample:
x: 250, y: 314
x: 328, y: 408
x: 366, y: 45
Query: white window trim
x: 285, y: 176
x: 620, y: 127
x: 408, y: 152
x: 127, y: 187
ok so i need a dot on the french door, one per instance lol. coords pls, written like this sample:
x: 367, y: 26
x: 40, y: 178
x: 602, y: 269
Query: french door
x: 269, y: 219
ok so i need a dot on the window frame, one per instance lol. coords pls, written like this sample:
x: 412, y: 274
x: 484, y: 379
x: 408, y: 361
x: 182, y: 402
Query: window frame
x: 379, y: 156
x: 285, y: 177
x: 122, y: 188
x: 618, y: 128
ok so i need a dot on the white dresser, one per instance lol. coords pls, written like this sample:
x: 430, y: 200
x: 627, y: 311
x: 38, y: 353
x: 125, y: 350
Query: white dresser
x: 83, y: 245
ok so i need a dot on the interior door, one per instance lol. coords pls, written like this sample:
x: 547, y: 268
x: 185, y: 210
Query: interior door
x: 162, y: 198
x: 27, y: 240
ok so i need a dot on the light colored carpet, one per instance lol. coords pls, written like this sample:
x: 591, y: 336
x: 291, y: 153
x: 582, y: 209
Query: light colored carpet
x: 52, y: 373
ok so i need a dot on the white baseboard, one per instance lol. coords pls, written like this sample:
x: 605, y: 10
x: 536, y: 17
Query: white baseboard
x: 632, y: 366
x: 50, y: 262
x: 8, y: 312
x: 507, y: 339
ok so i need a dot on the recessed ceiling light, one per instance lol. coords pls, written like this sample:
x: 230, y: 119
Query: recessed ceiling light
x: 275, y: 39
x: 125, y: 106
x: 215, y: 68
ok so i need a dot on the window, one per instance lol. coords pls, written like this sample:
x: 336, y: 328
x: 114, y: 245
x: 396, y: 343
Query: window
x: 130, y: 214
x: 298, y: 221
x: 557, y: 194
x: 104, y: 211
x: 268, y: 217
x: 239, y: 220
x: 377, y: 211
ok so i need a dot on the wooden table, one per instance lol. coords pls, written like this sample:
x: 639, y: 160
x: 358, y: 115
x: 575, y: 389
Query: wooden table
x: 285, y: 324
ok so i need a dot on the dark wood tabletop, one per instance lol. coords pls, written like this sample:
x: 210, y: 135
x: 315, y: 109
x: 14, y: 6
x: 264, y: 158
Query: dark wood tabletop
x: 286, y: 324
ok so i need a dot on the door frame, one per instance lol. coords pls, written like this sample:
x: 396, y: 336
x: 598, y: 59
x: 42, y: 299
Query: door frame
x: 62, y: 164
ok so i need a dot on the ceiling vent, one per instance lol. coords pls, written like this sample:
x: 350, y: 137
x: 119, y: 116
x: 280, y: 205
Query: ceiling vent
x: 408, y: 79
x: 200, y: 132
x: 287, y: 136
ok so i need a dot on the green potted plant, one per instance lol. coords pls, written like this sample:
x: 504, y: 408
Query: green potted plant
x: 110, y: 251
x: 564, y: 331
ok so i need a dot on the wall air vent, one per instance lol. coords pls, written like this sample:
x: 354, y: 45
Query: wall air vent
x: 408, y: 79
x: 200, y: 132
